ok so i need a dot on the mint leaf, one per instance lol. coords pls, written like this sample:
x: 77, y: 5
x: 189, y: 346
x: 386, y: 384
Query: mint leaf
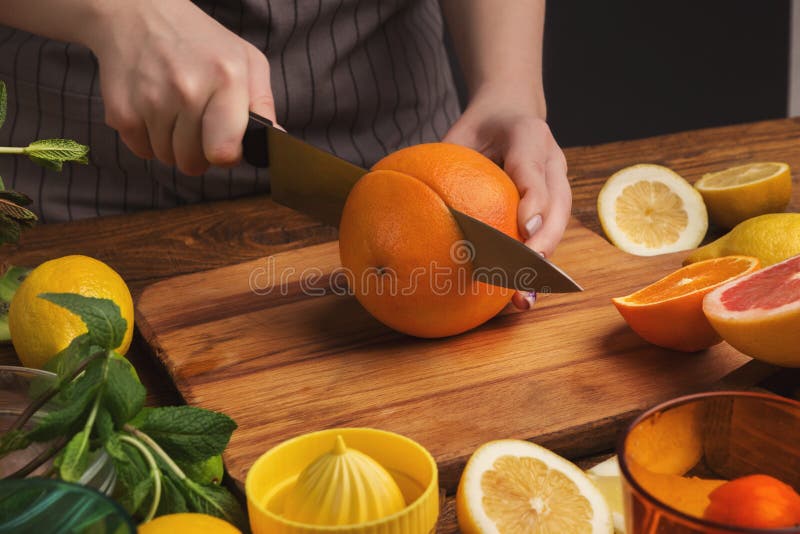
x: 68, y: 360
x: 18, y: 213
x: 187, y: 433
x: 103, y: 425
x: 16, y: 197
x: 172, y: 499
x: 10, y: 230
x: 3, y: 105
x: 113, y: 447
x: 102, y: 317
x: 124, y: 395
x: 133, y: 476
x: 75, y: 458
x: 214, y: 500
x: 13, y: 440
x: 72, y: 404
x: 53, y: 153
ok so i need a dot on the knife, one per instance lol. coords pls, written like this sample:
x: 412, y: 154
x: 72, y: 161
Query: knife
x: 313, y: 181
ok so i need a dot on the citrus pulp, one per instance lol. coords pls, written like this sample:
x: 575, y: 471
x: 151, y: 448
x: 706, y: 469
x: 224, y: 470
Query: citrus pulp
x: 759, y: 314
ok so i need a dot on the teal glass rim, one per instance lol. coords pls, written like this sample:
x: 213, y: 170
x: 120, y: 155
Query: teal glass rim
x: 686, y: 519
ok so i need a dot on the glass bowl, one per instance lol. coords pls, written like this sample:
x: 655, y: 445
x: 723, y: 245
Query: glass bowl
x: 673, y: 455
x: 19, y: 386
x: 44, y: 505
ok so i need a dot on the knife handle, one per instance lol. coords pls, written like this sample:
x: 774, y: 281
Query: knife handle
x: 254, y: 143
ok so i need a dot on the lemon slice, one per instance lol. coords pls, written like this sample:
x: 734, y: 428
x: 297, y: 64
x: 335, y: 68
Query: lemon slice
x: 649, y: 209
x: 746, y: 191
x: 606, y: 476
x: 516, y: 487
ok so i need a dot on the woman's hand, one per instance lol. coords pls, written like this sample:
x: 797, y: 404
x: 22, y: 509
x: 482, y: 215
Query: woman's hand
x: 510, y: 131
x: 176, y: 84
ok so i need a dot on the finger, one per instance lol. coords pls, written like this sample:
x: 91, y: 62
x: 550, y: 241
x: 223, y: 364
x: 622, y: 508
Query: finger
x: 156, y: 109
x: 121, y: 116
x: 134, y: 135
x: 260, y: 90
x: 187, y: 141
x: 525, y: 164
x: 557, y: 217
x: 223, y: 124
x: 524, y: 300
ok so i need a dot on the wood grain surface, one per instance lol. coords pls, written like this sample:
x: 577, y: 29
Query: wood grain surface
x: 274, y: 333
x: 150, y: 246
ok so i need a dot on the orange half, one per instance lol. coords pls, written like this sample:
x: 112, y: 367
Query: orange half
x: 669, y: 312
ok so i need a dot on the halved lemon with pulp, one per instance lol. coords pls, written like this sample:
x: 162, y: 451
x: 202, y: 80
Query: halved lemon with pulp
x: 649, y: 209
x: 740, y: 193
x: 517, y: 487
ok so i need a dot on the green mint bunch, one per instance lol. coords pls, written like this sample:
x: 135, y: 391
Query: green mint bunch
x: 49, y: 153
x: 97, y: 402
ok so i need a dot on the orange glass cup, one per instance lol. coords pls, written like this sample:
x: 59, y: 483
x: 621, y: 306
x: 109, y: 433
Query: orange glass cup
x: 673, y: 455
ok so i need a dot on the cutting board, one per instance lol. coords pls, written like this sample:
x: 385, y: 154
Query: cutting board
x: 271, y: 345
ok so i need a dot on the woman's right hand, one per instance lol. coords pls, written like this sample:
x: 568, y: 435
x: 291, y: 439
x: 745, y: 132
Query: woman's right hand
x: 176, y: 84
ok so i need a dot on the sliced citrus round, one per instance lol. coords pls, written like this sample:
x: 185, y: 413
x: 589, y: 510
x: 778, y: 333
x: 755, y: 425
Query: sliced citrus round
x: 649, y: 209
x: 759, y: 314
x: 515, y: 487
x: 745, y: 191
x: 669, y: 312
x: 606, y: 476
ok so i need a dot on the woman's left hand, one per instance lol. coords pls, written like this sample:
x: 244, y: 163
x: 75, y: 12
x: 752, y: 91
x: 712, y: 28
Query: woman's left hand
x: 519, y: 140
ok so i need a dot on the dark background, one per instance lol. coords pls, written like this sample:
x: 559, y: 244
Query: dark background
x: 626, y: 69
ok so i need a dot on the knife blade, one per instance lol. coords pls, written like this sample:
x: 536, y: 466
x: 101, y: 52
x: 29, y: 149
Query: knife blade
x: 313, y: 181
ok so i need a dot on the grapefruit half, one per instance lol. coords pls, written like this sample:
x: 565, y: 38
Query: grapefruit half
x: 759, y: 314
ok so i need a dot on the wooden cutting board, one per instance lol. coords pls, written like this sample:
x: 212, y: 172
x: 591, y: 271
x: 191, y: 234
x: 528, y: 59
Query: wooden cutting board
x: 255, y: 341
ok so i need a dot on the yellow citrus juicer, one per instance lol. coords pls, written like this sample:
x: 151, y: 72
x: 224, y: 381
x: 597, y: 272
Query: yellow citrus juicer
x: 344, y: 481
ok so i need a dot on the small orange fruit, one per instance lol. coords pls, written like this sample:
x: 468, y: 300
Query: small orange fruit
x: 669, y: 312
x: 403, y: 249
x: 755, y: 501
x: 759, y: 314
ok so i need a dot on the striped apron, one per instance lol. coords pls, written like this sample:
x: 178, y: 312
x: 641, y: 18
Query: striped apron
x: 359, y: 78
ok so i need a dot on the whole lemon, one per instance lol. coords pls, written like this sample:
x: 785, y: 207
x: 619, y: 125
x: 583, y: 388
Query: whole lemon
x: 41, y: 329
x: 187, y: 522
x: 771, y: 238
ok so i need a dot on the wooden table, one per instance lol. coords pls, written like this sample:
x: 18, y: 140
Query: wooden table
x: 153, y: 245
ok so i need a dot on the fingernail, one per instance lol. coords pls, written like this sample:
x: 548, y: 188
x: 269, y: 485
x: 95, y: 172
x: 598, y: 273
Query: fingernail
x: 533, y: 224
x: 530, y: 298
x: 542, y: 253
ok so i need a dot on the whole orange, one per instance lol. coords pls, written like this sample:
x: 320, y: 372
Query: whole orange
x: 755, y: 501
x: 404, y: 252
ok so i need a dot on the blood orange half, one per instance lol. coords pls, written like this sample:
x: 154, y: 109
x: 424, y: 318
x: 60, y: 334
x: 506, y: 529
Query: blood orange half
x: 759, y: 314
x: 669, y: 312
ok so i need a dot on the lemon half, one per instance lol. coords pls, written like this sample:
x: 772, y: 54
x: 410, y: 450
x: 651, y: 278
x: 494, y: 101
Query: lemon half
x: 649, y: 209
x: 517, y: 487
x: 745, y: 191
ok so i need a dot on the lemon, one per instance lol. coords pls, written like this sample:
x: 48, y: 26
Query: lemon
x: 606, y: 476
x: 515, y: 487
x: 41, y: 329
x: 771, y: 238
x: 187, y: 522
x: 746, y: 191
x: 649, y: 209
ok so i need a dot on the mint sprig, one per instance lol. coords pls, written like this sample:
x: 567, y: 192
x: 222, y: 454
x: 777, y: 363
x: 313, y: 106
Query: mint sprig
x: 48, y: 153
x: 96, y: 403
